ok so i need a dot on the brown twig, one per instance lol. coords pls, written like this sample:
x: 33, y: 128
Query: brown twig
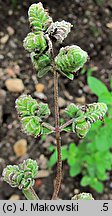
x: 58, y: 137
x: 48, y: 126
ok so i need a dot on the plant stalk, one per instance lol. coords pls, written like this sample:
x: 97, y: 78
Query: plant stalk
x: 30, y: 194
x: 58, y: 137
x: 48, y: 126
x: 66, y: 124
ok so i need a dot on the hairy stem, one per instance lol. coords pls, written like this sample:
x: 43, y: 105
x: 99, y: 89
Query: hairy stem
x: 30, y: 194
x: 48, y: 126
x: 58, y: 137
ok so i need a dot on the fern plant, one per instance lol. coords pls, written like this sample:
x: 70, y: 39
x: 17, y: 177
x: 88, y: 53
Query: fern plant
x: 33, y: 114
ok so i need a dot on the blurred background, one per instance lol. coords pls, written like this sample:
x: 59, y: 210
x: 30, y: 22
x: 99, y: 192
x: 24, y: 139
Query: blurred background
x: 87, y: 164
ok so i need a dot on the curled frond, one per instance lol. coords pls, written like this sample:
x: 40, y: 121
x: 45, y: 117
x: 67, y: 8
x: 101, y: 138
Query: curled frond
x: 31, y: 114
x: 81, y: 127
x: 22, y: 175
x: 31, y: 125
x: 35, y: 42
x: 38, y: 17
x: 73, y: 111
x: 93, y: 112
x: 26, y: 105
x: 70, y: 59
x: 85, y: 116
x: 59, y: 30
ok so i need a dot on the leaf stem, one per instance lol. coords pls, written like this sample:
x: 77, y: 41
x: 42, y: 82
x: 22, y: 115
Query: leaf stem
x: 58, y: 137
x: 66, y: 124
x: 30, y: 194
x: 50, y: 127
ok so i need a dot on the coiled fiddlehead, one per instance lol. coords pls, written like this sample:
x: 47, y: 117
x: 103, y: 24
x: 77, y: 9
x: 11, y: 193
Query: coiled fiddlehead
x: 93, y: 112
x: 70, y: 59
x: 73, y: 111
x: 26, y: 105
x: 85, y: 116
x: 31, y: 114
x: 22, y: 175
x: 35, y: 42
x: 81, y: 127
x: 59, y: 30
x: 39, y: 18
x: 31, y: 125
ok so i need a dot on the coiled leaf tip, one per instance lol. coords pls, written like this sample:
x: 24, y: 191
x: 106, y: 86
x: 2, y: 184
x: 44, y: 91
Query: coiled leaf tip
x: 31, y: 114
x: 85, y: 116
x: 38, y: 17
x: 59, y: 30
x: 22, y: 175
x: 35, y: 42
x: 70, y: 59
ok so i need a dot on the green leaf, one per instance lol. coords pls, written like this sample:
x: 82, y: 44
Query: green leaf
x: 70, y: 59
x: 106, y: 98
x: 93, y: 112
x: 41, y: 63
x: 85, y: 181
x: 92, y: 169
x: 104, y: 137
x: 71, y: 160
x: 72, y: 149
x: 68, y: 129
x: 83, y: 71
x: 43, y: 71
x: 53, y: 159
x: 64, y: 152
x: 97, y: 86
x: 84, y: 116
x: 39, y: 19
x: 22, y: 175
x: 45, y: 130
x: 35, y: 42
x: 69, y: 76
x: 51, y: 148
x: 81, y: 127
x: 43, y: 110
x: 31, y: 125
x: 101, y: 174
x: 97, y: 185
x: 31, y: 114
x: 26, y: 105
x: 59, y: 30
x: 71, y: 110
x: 75, y: 169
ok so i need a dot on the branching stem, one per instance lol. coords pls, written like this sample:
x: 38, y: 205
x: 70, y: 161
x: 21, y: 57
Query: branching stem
x: 66, y: 124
